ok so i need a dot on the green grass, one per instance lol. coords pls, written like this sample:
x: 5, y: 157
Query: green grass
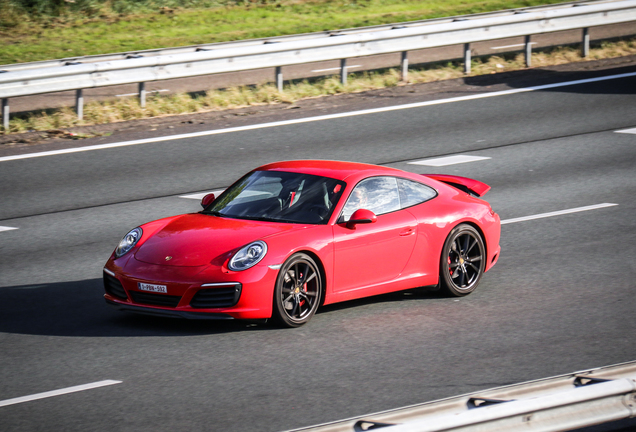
x: 216, y: 100
x: 85, y: 27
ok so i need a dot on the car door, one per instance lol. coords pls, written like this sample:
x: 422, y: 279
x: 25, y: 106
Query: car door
x: 367, y: 255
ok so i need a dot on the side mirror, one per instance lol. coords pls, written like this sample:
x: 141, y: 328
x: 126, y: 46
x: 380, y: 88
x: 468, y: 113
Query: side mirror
x: 361, y: 216
x: 207, y: 200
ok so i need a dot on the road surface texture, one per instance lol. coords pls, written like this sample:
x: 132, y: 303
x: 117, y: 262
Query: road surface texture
x: 560, y: 299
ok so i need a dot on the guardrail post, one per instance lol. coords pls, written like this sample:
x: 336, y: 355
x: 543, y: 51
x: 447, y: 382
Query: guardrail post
x: 405, y: 65
x: 467, y: 58
x: 343, y: 71
x: 142, y: 94
x: 585, y: 44
x: 528, y: 51
x: 279, y: 78
x: 79, y: 104
x: 5, y: 114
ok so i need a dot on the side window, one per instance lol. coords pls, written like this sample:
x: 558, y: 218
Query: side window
x: 378, y: 194
x: 412, y: 193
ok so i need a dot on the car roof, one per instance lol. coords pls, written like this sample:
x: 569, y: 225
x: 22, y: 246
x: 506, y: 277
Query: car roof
x: 338, y: 170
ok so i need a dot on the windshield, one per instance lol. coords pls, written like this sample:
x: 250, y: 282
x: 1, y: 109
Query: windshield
x: 279, y: 197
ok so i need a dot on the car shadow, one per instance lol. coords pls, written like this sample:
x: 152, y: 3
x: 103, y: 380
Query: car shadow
x: 545, y: 76
x: 420, y: 293
x: 78, y: 309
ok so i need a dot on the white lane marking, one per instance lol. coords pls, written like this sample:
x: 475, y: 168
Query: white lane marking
x: 627, y: 131
x: 3, y: 228
x: 150, y: 91
x: 336, y: 68
x: 512, y: 46
x: 450, y: 160
x: 199, y: 196
x: 313, y: 119
x: 58, y: 392
x: 557, y: 213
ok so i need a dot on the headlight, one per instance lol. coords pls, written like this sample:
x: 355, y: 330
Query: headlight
x: 127, y: 243
x: 248, y: 256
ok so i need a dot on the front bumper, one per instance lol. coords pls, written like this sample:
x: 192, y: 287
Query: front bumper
x: 169, y: 313
x: 191, y: 292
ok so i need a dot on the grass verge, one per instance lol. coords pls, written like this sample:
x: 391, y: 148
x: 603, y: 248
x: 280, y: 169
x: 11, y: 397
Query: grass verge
x: 32, y: 30
x: 236, y: 97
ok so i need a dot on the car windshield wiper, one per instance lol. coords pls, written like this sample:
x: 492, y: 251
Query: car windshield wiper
x: 213, y: 213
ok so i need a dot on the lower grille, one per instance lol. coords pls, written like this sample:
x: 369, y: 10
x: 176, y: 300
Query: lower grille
x: 155, y: 299
x: 114, y: 287
x: 219, y: 297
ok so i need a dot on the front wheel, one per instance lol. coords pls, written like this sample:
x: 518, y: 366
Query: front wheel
x: 298, y: 291
x: 463, y: 261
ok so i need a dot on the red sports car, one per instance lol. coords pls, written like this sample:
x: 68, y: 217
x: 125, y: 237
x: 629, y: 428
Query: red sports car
x: 291, y: 236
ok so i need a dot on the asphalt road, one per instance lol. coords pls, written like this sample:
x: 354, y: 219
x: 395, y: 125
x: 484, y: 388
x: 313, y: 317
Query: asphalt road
x: 560, y: 299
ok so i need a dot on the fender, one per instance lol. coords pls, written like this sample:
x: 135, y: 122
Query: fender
x: 471, y: 186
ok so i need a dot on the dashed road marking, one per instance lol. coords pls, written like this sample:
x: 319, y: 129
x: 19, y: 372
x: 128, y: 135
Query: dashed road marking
x: 58, y: 392
x: 4, y: 228
x: 315, y: 119
x: 199, y: 196
x: 557, y: 213
x: 627, y: 131
x: 450, y: 160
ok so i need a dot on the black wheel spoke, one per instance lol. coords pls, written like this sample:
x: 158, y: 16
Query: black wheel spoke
x: 471, y: 246
x: 462, y: 278
x: 313, y: 275
x: 473, y: 266
x: 296, y: 277
x: 294, y: 309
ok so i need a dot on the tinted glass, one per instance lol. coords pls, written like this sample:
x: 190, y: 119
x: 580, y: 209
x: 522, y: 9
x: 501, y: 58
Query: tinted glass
x: 378, y: 194
x: 412, y: 193
x: 280, y: 197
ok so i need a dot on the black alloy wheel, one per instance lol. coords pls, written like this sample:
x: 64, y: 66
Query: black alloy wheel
x: 463, y: 261
x: 298, y: 291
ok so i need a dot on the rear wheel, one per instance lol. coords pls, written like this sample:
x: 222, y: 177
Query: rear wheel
x: 462, y: 262
x: 298, y: 291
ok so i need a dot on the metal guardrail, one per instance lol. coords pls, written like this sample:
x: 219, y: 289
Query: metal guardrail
x: 291, y: 51
x: 565, y: 402
x: 277, y: 39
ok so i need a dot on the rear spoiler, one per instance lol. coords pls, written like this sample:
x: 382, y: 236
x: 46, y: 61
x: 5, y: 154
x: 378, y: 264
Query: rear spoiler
x: 470, y: 186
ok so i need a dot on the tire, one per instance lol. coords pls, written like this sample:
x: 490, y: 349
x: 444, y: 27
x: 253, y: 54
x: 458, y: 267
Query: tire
x: 462, y: 261
x: 298, y: 291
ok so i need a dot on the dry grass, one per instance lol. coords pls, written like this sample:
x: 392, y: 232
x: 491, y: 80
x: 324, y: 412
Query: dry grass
x: 236, y: 97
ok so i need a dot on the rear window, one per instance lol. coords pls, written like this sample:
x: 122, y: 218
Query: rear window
x: 412, y: 193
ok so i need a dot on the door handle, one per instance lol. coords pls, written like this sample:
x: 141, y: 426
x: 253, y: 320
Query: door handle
x: 407, y: 232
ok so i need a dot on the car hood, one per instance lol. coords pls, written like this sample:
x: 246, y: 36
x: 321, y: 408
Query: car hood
x: 198, y: 239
